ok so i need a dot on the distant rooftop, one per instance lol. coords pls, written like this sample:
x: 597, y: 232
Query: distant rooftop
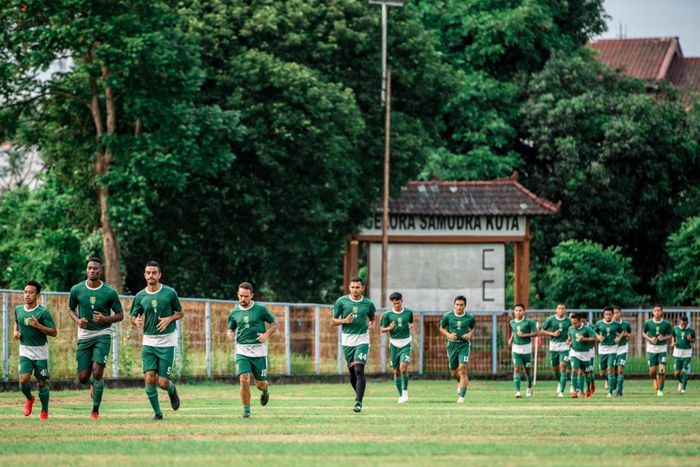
x: 505, y: 197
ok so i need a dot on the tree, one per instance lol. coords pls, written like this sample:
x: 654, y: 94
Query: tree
x: 584, y: 274
x: 621, y: 160
x: 128, y: 85
x: 680, y: 283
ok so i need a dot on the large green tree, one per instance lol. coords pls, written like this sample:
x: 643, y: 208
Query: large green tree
x: 105, y: 89
x: 679, y: 284
x: 621, y: 160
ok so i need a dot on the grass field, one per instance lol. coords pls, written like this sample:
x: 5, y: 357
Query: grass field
x: 314, y: 425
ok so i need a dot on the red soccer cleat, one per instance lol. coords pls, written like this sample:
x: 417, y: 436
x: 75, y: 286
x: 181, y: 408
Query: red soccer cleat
x: 592, y: 387
x: 28, y: 404
x: 95, y: 415
x: 588, y: 394
x: 44, y: 416
x: 574, y: 395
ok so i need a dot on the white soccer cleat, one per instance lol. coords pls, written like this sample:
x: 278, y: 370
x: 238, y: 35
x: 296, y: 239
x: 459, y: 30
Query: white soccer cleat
x: 682, y: 391
x: 404, y: 395
x: 558, y: 388
x: 518, y: 395
x: 609, y: 396
x: 401, y: 400
x: 560, y: 394
x: 571, y: 389
x: 460, y: 400
x: 660, y: 393
x: 680, y: 387
x: 606, y: 384
x: 529, y: 392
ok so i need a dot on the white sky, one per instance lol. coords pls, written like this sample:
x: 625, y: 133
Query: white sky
x: 656, y: 18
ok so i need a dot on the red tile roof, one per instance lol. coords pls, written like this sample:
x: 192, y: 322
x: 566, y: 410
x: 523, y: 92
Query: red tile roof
x: 686, y: 74
x: 643, y: 58
x: 495, y: 197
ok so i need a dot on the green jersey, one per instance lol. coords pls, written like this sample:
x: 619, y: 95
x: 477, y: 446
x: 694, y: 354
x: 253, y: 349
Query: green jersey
x: 86, y: 301
x: 654, y: 329
x: 681, y: 336
x: 401, y: 319
x: 609, y: 330
x: 154, y: 306
x: 363, y: 310
x: 249, y: 322
x: 458, y: 325
x: 625, y: 327
x: 526, y: 326
x: 554, y: 324
x: 29, y: 335
x: 576, y: 334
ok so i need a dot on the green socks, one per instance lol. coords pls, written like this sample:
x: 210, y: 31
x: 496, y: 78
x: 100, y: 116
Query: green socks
x: 562, y: 381
x: 44, y: 398
x: 98, y: 387
x: 152, y: 394
x: 398, y: 380
x: 684, y: 380
x: 462, y: 392
x: 620, y: 382
x: 529, y: 380
x: 246, y: 409
x: 405, y: 381
x: 611, y: 383
x: 516, y: 380
x: 171, y: 387
x: 26, y: 389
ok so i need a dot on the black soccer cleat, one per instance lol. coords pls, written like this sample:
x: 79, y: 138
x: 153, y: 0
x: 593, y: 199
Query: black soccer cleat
x: 264, y: 398
x: 158, y: 416
x: 174, y: 400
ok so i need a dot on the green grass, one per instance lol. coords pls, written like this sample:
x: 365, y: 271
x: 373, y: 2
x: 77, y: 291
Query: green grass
x: 314, y: 425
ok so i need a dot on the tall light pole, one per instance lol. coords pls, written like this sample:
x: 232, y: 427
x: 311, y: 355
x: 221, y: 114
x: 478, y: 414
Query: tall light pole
x: 386, y: 101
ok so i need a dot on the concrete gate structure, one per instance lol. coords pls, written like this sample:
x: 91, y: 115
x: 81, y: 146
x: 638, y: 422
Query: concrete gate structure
x: 447, y: 239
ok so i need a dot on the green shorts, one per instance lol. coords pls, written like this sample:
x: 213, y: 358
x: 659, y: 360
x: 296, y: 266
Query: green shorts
x: 522, y: 359
x: 355, y: 354
x: 558, y: 357
x: 656, y: 359
x: 577, y: 364
x: 159, y: 359
x: 679, y: 364
x: 606, y: 361
x: 590, y: 365
x: 400, y: 355
x: 93, y: 350
x: 257, y: 366
x: 458, y: 354
x: 40, y: 368
x: 621, y: 360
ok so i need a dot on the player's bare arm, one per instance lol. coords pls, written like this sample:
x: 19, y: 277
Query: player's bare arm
x: 262, y: 337
x: 448, y: 335
x: 164, y: 322
x: 16, y: 333
x: 81, y: 322
x: 391, y: 326
x: 99, y: 318
x: 46, y: 330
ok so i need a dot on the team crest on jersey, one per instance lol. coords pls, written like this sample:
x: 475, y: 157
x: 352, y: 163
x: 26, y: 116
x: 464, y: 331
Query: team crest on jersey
x: 400, y: 320
x: 657, y: 329
x: 561, y: 325
x: 26, y: 321
x: 682, y: 335
x: 355, y: 309
x: 154, y: 303
x: 459, y: 325
x: 93, y: 300
x: 246, y: 319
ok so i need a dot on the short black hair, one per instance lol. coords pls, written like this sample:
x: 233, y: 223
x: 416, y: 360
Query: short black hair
x: 246, y: 285
x: 574, y: 315
x: 34, y: 284
x: 94, y: 259
x: 519, y: 305
x: 396, y: 296
x: 608, y: 308
x: 684, y: 318
x: 357, y: 279
x: 153, y: 264
x: 657, y: 305
x: 460, y: 297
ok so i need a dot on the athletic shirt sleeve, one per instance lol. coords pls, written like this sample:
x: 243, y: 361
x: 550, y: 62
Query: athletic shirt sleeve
x: 232, y: 322
x: 136, y: 308
x: 268, y: 317
x: 116, y: 304
x: 337, y: 309
x: 385, y: 319
x: 73, y: 299
x: 46, y: 319
x: 175, y: 302
x: 444, y: 322
x: 372, y: 310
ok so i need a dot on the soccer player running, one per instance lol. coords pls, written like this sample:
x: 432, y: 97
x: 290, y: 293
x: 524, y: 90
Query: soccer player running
x: 398, y: 322
x: 94, y: 306
x: 622, y: 349
x: 657, y: 332
x: 355, y: 314
x: 588, y: 371
x: 557, y: 327
x: 247, y: 324
x: 522, y: 331
x: 582, y: 339
x: 608, y: 331
x: 33, y: 323
x: 155, y: 309
x: 682, y: 342
x: 458, y: 327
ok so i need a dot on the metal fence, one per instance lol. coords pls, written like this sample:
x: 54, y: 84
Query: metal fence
x: 306, y: 343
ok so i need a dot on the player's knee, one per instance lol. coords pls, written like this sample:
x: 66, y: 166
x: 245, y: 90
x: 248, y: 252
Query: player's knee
x: 83, y: 379
x: 24, y: 378
x: 41, y: 383
x: 163, y: 383
x: 359, y: 370
x: 244, y: 379
x: 403, y: 367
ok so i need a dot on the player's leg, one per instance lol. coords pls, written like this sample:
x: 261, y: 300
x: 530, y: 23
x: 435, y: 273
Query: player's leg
x: 563, y: 370
x: 554, y: 357
x: 259, y: 367
x: 395, y: 363
x: 589, y: 373
x: 652, y: 361
x: 661, y: 375
x: 403, y: 369
x: 243, y: 371
x: 518, y: 364
x: 26, y: 367
x: 41, y: 372
x: 528, y: 373
x: 83, y: 358
x: 100, y: 353
x: 150, y: 367
x: 349, y: 354
x: 166, y: 357
x: 575, y: 372
x: 686, y: 373
x: 360, y: 359
x: 453, y: 363
x: 620, y: 361
x: 463, y: 381
x: 678, y: 371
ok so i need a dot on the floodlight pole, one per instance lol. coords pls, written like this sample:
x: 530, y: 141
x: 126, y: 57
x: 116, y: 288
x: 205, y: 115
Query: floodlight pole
x: 385, y: 4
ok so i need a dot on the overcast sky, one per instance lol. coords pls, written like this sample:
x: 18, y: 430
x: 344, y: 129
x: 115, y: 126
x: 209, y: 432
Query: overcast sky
x: 657, y: 18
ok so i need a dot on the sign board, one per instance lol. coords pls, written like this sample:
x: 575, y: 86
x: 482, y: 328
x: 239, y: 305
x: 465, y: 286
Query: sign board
x: 447, y: 225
